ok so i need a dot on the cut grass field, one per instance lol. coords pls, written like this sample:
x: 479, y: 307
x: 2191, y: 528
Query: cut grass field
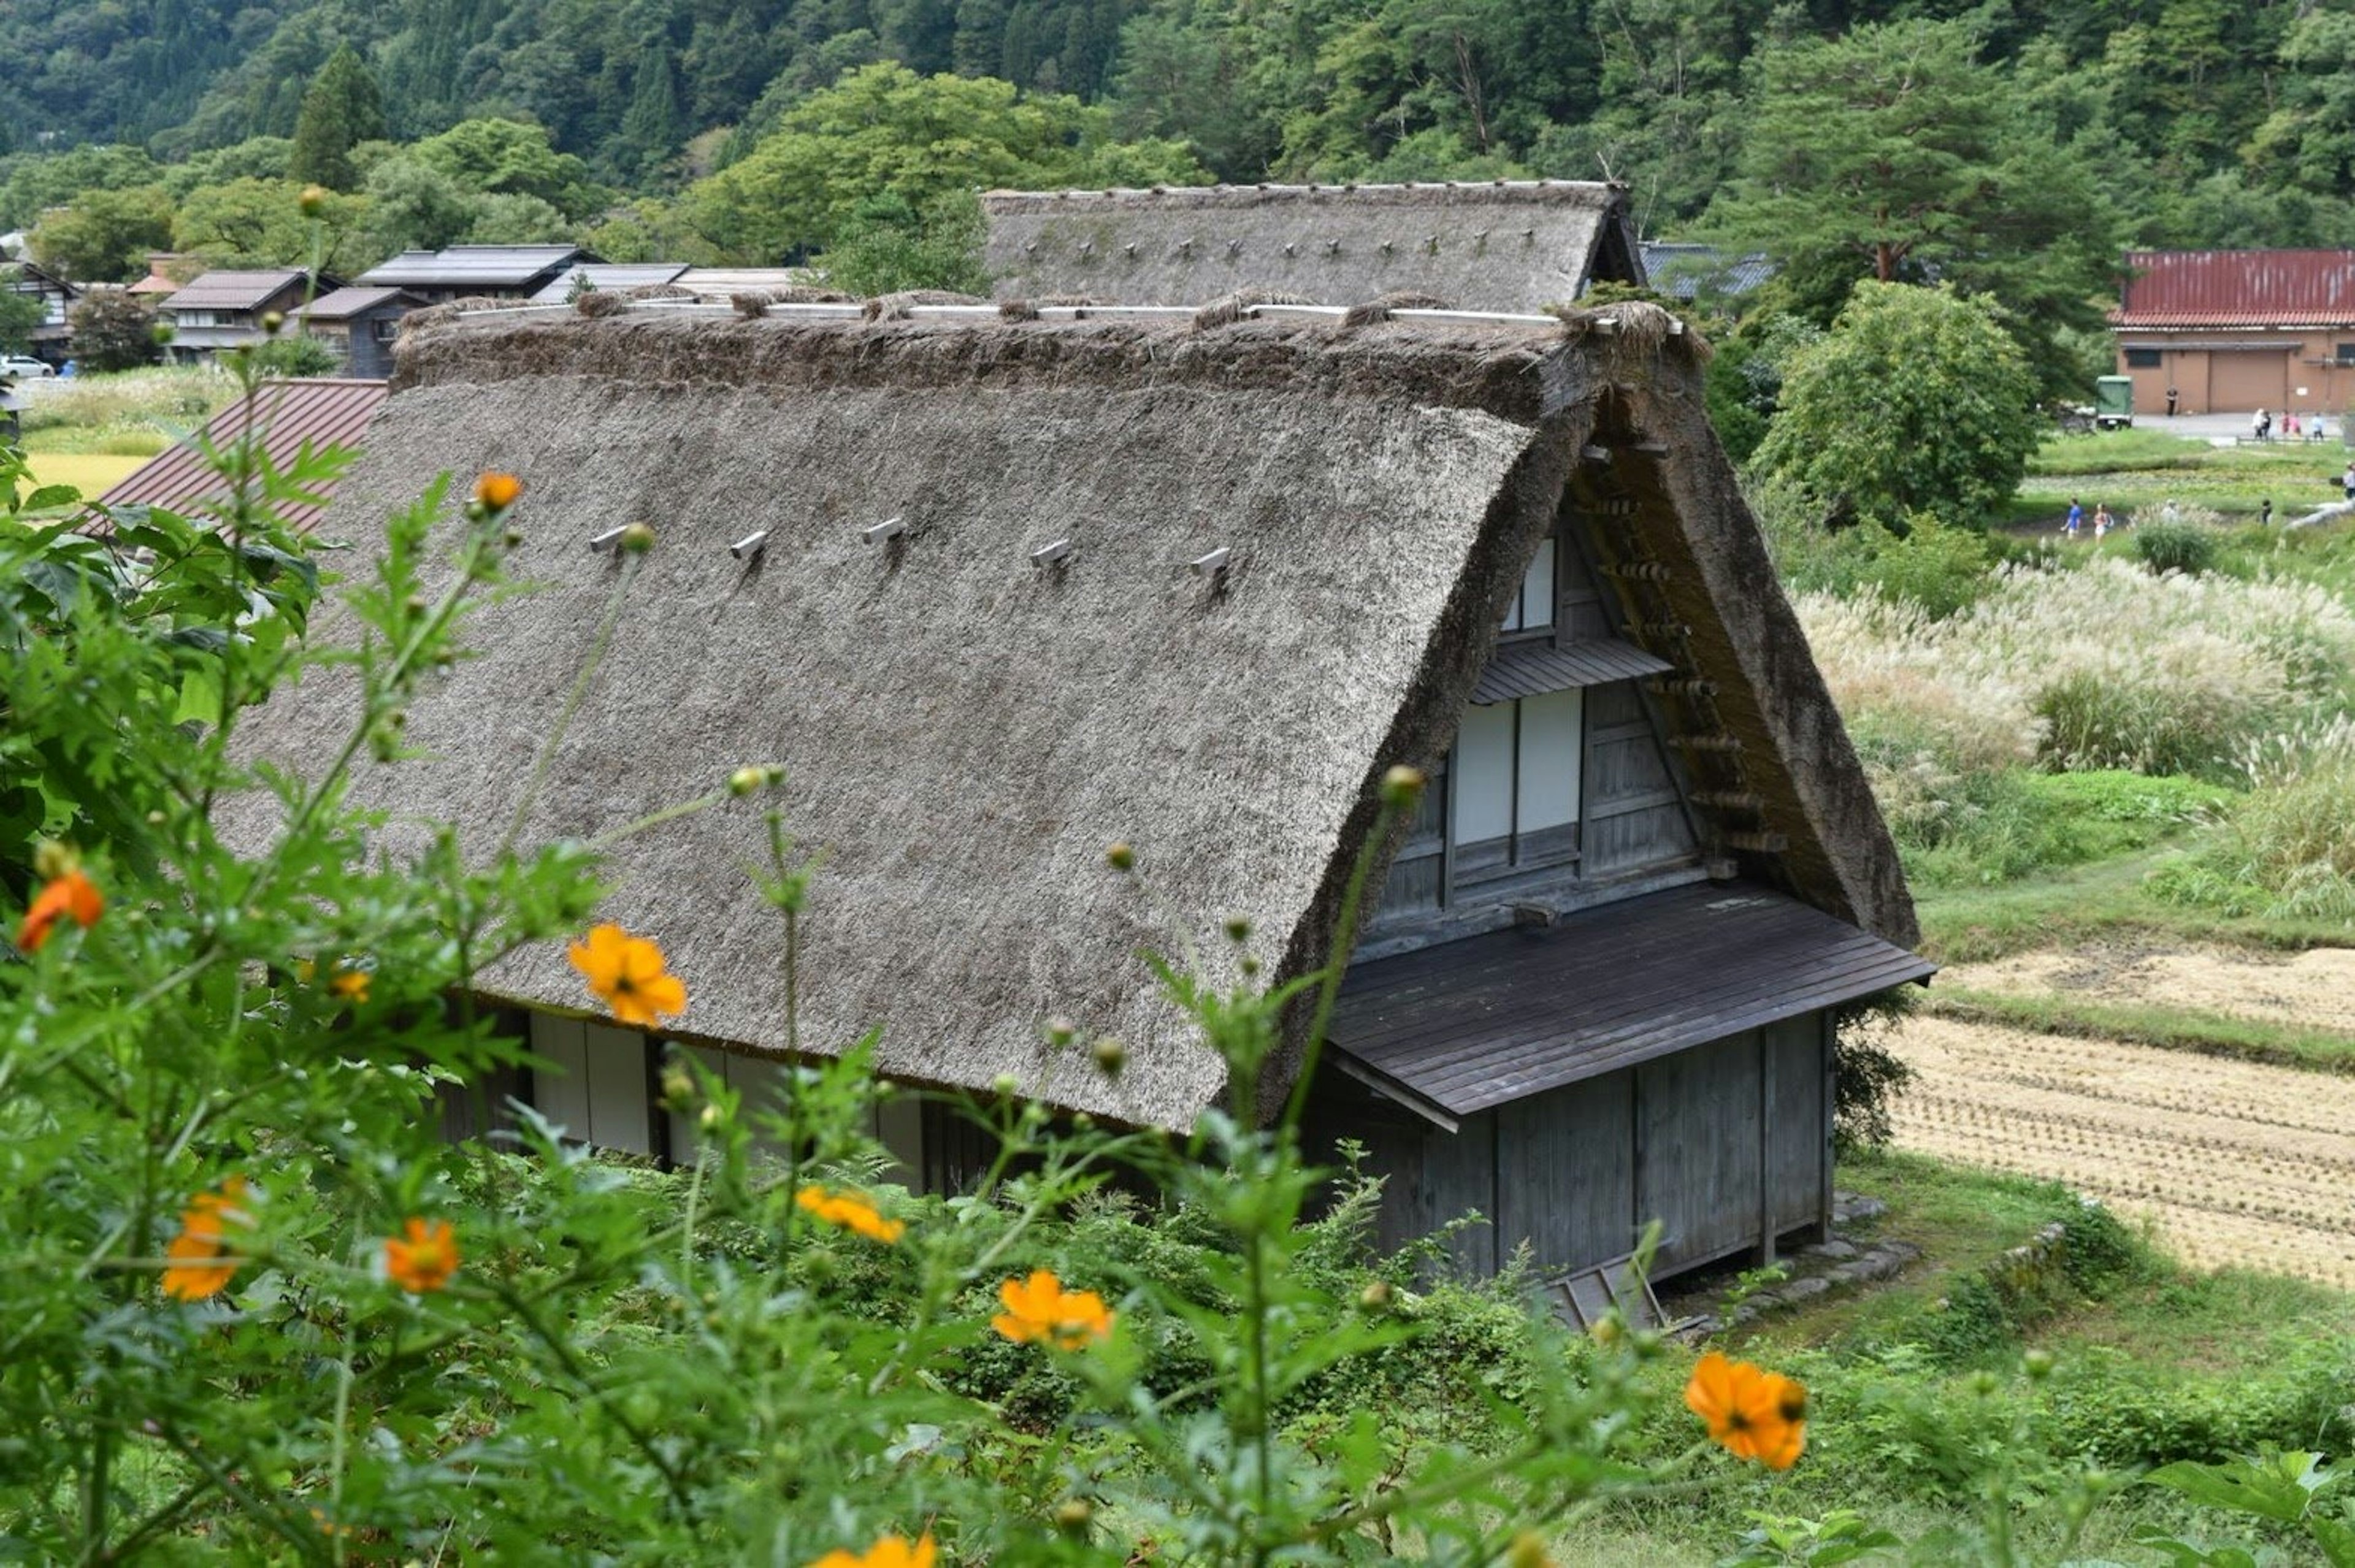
x: 90, y: 473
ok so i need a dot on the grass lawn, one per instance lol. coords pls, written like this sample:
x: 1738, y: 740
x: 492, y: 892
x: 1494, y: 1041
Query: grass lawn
x: 2129, y: 470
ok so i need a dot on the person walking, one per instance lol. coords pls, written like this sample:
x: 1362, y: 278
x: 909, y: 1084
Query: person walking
x: 2170, y: 402
x: 2077, y: 513
x: 2100, y: 521
x: 2347, y: 481
x: 2261, y: 424
x: 2265, y: 513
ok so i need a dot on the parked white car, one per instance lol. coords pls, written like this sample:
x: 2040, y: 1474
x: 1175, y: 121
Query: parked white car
x: 24, y: 365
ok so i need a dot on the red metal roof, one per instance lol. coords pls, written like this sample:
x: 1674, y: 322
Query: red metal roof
x: 2237, y: 288
x: 285, y: 414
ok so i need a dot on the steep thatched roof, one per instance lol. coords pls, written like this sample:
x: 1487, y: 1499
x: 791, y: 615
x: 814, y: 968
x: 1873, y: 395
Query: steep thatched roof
x: 1503, y: 245
x: 966, y: 731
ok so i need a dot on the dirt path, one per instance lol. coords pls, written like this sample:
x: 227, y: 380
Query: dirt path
x: 2236, y: 1162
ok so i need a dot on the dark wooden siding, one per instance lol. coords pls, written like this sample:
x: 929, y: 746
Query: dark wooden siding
x: 1698, y: 1168
x: 1798, y: 1142
x: 1634, y: 816
x: 1565, y: 1181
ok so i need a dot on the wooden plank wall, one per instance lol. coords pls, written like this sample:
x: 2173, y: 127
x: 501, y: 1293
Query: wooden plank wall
x: 1633, y: 817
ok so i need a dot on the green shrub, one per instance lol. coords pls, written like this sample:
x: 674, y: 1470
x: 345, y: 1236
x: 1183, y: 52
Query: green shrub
x: 2167, y: 545
x: 2287, y: 850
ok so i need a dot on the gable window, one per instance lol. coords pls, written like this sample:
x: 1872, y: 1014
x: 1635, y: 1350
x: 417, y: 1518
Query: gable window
x: 1515, y: 781
x: 1532, y: 607
x: 2143, y: 358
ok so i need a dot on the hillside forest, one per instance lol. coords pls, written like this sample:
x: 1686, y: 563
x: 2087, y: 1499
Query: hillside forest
x: 2010, y: 147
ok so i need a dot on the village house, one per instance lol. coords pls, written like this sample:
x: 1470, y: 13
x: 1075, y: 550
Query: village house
x: 1685, y: 269
x: 169, y: 271
x: 476, y: 272
x: 52, y: 339
x: 224, y: 310
x: 1503, y: 245
x: 606, y: 276
x: 2235, y: 331
x: 1195, y: 582
x: 360, y: 324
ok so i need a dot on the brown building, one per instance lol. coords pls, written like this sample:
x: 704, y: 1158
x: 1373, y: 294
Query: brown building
x: 2234, y: 331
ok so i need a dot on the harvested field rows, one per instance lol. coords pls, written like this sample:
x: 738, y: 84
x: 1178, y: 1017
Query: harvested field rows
x: 2314, y: 990
x: 2235, y: 1162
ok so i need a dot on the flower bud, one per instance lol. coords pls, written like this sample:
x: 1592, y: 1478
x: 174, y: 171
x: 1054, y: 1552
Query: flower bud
x: 53, y: 859
x: 313, y: 201
x: 511, y: 538
x: 2037, y: 1364
x: 677, y: 1087
x: 1111, y: 1056
x: 638, y: 538
x: 1376, y: 1296
x: 710, y: 1118
x: 1238, y: 928
x: 1006, y: 1085
x: 272, y: 321
x: 1072, y: 1517
x: 744, y: 781
x: 1060, y: 1032
x: 1120, y: 857
x: 1528, y: 1550
x: 1985, y: 1384
x: 1402, y: 787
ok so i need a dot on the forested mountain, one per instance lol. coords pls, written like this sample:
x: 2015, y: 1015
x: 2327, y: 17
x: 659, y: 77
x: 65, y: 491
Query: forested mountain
x: 2215, y: 119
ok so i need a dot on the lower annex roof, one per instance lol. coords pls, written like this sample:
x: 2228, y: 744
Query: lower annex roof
x: 1467, y: 1026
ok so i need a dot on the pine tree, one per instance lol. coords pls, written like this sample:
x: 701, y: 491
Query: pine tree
x: 342, y: 109
x: 650, y: 130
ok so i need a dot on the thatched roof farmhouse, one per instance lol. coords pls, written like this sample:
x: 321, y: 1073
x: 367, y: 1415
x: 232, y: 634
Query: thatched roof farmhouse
x: 1501, y: 245
x: 1193, y: 584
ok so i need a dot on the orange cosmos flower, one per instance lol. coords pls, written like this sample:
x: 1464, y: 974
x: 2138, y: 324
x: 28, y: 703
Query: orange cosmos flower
x: 352, y: 985
x: 889, y: 1551
x: 201, y: 1263
x: 70, y: 895
x: 424, y: 1263
x: 627, y: 971
x: 1755, y: 1415
x: 497, y: 492
x: 850, y: 1211
x: 1040, y: 1308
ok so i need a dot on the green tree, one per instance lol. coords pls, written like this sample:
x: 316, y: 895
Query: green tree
x: 342, y: 109
x: 887, y: 245
x: 509, y: 157
x: 1917, y: 401
x: 113, y: 330
x: 415, y: 207
x: 260, y: 223
x: 20, y: 313
x: 104, y: 236
x: 1893, y: 154
x: 887, y: 129
x: 651, y: 131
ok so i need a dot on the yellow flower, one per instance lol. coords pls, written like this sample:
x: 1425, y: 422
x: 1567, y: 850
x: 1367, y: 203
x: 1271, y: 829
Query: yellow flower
x: 1041, y: 1309
x: 850, y: 1211
x: 627, y: 971
x: 425, y: 1261
x: 889, y: 1551
x: 201, y: 1263
x: 69, y: 895
x: 1755, y: 1415
x: 497, y: 492
x: 352, y: 985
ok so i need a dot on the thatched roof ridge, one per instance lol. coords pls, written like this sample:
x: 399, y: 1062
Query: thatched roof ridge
x: 964, y: 730
x: 1504, y: 245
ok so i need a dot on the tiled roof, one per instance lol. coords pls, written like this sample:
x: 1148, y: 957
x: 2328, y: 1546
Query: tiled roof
x: 234, y: 291
x: 287, y: 414
x: 484, y: 266
x: 2237, y: 288
x: 608, y: 275
x: 344, y: 303
x: 718, y: 283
